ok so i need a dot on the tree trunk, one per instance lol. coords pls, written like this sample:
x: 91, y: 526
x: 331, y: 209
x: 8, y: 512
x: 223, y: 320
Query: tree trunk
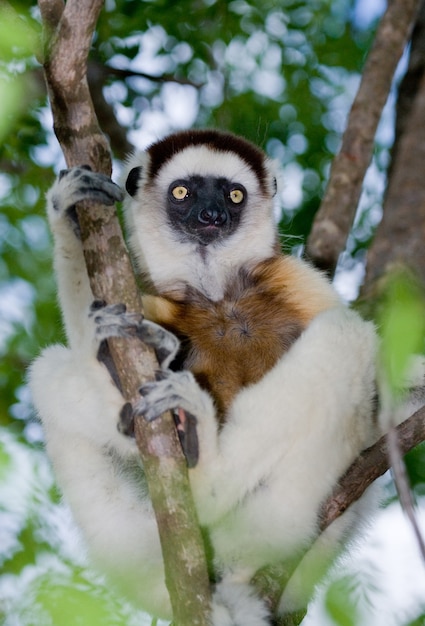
x: 69, y: 28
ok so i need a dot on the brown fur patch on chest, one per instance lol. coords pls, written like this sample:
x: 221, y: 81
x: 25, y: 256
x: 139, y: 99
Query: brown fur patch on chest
x: 231, y: 343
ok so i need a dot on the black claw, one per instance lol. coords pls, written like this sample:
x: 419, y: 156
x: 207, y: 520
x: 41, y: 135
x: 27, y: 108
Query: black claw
x: 126, y: 420
x: 145, y: 389
x: 97, y: 304
x: 73, y: 217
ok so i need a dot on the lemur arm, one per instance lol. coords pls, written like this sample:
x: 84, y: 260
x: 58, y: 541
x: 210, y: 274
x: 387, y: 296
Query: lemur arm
x: 74, y: 291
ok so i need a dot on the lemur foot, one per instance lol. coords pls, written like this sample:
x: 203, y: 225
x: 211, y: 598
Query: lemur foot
x: 180, y: 393
x: 172, y: 390
x: 185, y: 425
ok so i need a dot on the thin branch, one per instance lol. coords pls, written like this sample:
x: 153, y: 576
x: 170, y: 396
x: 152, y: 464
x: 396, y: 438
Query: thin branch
x: 410, y: 84
x: 111, y: 279
x: 399, y: 238
x: 98, y: 75
x: 402, y: 484
x: 105, y: 113
x: 337, y: 211
x: 123, y: 74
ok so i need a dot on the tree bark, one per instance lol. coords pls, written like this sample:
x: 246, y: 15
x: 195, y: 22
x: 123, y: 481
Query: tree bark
x: 335, y: 217
x: 69, y: 31
x: 399, y: 239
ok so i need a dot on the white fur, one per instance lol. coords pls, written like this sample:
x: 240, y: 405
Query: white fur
x: 236, y: 605
x: 261, y: 479
x: 74, y: 290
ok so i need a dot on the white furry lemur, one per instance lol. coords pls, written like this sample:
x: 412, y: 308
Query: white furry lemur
x: 278, y: 374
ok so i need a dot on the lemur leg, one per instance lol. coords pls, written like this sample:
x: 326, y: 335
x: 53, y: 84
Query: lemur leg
x: 99, y: 472
x: 97, y: 468
x: 72, y: 186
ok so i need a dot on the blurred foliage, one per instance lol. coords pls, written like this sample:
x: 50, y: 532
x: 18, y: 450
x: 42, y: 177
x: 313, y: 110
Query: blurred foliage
x: 402, y: 327
x: 340, y: 605
x: 349, y: 600
x: 283, y: 74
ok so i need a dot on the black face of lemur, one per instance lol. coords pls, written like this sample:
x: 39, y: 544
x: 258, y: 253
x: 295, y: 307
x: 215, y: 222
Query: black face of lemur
x: 205, y: 209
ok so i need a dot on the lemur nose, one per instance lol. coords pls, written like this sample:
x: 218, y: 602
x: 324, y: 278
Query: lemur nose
x: 213, y: 217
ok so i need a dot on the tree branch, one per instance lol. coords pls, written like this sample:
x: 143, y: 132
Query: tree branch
x: 70, y: 29
x: 105, y: 113
x: 123, y: 74
x: 338, y: 208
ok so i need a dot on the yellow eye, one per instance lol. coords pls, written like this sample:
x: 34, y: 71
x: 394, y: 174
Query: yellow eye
x: 236, y: 196
x: 180, y: 192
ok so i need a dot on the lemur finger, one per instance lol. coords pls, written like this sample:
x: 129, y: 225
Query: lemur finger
x: 157, y: 398
x: 65, y: 172
x: 97, y: 304
x: 165, y: 344
x: 100, y: 186
x: 102, y: 307
x: 151, y: 412
x: 103, y: 196
x: 160, y: 377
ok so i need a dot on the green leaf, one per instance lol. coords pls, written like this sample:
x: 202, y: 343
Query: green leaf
x: 402, y: 326
x: 17, y: 38
x: 340, y: 604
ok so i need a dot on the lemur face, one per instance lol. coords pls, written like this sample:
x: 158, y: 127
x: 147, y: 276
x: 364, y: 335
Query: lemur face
x: 202, y: 193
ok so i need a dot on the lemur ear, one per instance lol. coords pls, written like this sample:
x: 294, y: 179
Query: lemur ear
x: 132, y: 182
